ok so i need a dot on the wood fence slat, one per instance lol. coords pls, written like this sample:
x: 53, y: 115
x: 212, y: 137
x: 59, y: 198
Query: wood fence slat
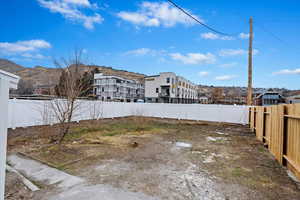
x: 279, y: 128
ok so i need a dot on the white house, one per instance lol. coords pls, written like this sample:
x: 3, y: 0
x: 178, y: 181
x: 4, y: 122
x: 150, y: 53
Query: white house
x: 7, y: 81
x: 169, y: 88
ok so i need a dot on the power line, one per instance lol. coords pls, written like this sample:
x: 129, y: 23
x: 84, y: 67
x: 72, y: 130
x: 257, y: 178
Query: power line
x: 283, y: 42
x: 270, y: 33
x: 197, y: 20
x: 263, y: 28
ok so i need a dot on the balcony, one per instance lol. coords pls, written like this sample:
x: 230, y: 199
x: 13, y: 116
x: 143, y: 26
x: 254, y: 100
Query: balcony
x: 165, y: 91
x: 164, y: 94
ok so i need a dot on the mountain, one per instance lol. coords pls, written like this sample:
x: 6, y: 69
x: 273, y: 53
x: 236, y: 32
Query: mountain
x: 44, y: 76
x: 9, y: 66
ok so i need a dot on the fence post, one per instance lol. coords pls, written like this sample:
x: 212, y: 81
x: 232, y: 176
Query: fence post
x: 4, y: 87
x: 7, y: 81
x: 250, y: 117
x: 264, y: 126
x: 282, y: 132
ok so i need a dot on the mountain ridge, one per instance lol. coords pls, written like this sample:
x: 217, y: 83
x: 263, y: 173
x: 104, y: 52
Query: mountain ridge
x: 41, y: 76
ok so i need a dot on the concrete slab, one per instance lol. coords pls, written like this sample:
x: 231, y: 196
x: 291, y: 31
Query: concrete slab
x: 42, y: 173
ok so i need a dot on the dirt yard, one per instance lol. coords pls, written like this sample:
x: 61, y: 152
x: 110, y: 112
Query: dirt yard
x: 155, y: 158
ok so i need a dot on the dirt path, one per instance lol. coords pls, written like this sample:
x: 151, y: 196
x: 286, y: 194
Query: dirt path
x: 162, y: 169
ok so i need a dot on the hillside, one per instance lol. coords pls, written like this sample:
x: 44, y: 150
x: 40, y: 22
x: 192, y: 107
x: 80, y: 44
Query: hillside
x: 40, y: 76
x: 9, y: 66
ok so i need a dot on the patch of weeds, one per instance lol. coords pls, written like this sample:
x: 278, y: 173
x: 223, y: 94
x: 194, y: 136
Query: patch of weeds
x: 61, y: 167
x: 118, y: 128
x: 238, y: 172
x: 79, y: 132
x: 261, y: 149
x: 112, y: 133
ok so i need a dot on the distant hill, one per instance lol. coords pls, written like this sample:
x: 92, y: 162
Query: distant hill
x: 10, y: 66
x: 41, y: 76
x: 242, y: 91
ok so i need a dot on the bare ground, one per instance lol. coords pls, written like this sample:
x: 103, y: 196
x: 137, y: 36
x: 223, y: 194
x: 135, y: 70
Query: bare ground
x: 153, y: 157
x: 15, y: 189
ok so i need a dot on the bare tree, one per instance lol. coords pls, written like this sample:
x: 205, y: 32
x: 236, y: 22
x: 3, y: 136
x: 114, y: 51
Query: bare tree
x: 71, y: 86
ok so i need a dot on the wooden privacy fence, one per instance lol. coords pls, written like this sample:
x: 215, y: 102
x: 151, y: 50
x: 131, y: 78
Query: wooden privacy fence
x: 278, y: 127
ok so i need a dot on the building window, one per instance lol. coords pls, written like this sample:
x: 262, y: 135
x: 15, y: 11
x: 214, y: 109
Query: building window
x: 157, y: 90
x: 168, y: 80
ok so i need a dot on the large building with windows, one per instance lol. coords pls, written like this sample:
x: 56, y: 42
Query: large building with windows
x: 114, y: 88
x: 169, y: 88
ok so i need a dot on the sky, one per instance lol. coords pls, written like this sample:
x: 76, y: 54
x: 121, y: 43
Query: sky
x: 153, y: 36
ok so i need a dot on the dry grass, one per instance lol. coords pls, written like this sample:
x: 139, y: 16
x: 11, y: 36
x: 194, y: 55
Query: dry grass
x: 87, y: 140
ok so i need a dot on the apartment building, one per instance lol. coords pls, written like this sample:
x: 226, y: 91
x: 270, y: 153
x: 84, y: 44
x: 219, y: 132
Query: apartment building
x: 114, y: 88
x: 169, y: 88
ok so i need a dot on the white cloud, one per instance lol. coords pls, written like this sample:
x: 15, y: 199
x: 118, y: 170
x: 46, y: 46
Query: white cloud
x: 23, y: 46
x: 244, y: 35
x: 225, y: 77
x: 146, y: 51
x: 227, y: 65
x: 140, y: 52
x: 156, y: 14
x: 232, y: 52
x: 194, y: 58
x: 235, y: 52
x: 288, y: 71
x: 70, y: 10
x: 213, y: 36
x: 203, y: 73
x: 34, y: 56
x: 85, y: 3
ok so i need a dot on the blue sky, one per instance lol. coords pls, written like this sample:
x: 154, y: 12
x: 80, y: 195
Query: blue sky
x: 152, y: 36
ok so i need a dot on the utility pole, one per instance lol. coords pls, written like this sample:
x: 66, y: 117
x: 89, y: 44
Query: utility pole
x: 249, y: 96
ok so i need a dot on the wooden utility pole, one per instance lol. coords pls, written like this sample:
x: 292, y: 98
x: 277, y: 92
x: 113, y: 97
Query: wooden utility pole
x: 249, y: 96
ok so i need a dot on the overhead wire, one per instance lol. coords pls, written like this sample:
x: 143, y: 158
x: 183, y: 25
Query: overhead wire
x: 197, y: 20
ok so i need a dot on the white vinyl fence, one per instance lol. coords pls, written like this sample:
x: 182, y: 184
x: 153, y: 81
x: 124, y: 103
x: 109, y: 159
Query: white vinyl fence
x: 23, y: 113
